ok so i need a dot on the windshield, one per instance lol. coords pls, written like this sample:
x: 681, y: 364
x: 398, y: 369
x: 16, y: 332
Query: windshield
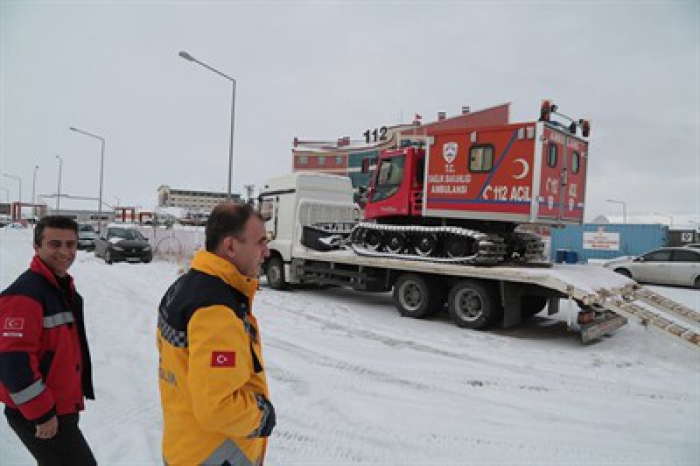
x: 389, y: 177
x: 86, y: 228
x: 125, y: 233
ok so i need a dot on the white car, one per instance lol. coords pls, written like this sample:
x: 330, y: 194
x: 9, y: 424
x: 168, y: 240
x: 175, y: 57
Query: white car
x: 665, y: 266
x: 86, y: 237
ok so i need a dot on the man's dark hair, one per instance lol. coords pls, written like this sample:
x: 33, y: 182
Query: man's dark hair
x: 227, y: 219
x: 59, y: 222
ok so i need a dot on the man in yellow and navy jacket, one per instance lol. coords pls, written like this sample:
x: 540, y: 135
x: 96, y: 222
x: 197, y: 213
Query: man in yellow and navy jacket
x: 214, y: 394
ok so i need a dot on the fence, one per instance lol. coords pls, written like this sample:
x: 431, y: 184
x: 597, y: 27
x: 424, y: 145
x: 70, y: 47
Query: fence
x: 174, y: 245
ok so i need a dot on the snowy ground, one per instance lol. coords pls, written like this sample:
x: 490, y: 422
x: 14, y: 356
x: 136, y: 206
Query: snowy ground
x: 354, y: 383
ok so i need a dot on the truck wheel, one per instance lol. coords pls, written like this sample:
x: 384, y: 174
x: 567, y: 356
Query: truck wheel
x: 417, y: 296
x: 473, y: 304
x: 532, y: 305
x: 274, y: 271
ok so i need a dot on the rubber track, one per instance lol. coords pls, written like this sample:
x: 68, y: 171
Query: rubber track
x: 491, y: 249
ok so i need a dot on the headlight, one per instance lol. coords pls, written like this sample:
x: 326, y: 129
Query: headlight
x: 147, y: 248
x: 117, y: 248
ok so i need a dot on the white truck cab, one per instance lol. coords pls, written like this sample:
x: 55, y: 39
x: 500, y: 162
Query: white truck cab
x: 290, y: 202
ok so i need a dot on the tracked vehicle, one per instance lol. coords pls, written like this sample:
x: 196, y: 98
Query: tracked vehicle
x: 460, y: 196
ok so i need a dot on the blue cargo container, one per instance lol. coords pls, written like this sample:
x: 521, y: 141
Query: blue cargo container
x: 633, y: 240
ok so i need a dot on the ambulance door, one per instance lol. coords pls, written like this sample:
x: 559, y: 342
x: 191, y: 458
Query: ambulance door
x: 575, y: 173
x: 553, y: 174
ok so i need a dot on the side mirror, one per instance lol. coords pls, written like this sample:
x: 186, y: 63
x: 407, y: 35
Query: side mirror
x: 639, y: 259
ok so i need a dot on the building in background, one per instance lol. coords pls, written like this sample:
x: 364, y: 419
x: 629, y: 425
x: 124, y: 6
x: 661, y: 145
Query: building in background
x: 86, y: 216
x: 195, y: 201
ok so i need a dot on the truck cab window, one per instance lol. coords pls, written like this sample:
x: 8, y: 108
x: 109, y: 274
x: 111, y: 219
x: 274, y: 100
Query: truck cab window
x: 267, y: 207
x: 389, y: 177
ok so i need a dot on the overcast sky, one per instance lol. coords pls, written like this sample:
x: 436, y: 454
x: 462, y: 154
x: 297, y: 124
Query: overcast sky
x: 322, y: 70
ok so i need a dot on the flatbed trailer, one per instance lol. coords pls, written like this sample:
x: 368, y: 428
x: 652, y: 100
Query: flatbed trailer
x: 304, y: 225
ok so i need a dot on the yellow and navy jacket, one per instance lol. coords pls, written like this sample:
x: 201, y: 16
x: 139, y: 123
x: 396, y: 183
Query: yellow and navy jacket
x: 213, y: 389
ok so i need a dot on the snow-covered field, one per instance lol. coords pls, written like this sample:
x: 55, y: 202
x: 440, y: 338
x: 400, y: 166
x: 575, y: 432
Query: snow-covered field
x: 354, y: 383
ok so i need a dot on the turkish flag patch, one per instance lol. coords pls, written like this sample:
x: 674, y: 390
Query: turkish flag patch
x: 223, y: 359
x: 14, y: 323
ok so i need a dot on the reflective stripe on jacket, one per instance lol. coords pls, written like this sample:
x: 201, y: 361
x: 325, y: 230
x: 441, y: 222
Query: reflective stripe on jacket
x: 44, y: 357
x: 212, y: 383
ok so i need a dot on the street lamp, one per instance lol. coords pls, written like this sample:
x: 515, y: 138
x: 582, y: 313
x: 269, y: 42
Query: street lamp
x: 58, y: 192
x: 19, y: 180
x: 102, y: 163
x: 189, y: 57
x: 660, y: 214
x: 624, y: 208
x: 36, y: 167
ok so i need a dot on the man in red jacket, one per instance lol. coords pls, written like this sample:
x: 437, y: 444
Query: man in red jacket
x: 45, y: 370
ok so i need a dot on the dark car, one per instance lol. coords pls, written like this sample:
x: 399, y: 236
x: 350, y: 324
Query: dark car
x: 123, y: 244
x: 86, y: 237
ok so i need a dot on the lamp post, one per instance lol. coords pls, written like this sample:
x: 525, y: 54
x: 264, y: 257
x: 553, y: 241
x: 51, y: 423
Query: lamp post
x: 189, y: 57
x: 36, y: 167
x: 58, y: 192
x: 102, y: 163
x: 17, y: 179
x: 624, y: 208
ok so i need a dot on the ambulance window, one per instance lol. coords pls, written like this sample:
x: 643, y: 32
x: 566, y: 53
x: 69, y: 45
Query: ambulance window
x: 481, y: 159
x: 389, y: 178
x: 552, y: 155
x: 420, y: 173
x: 575, y: 162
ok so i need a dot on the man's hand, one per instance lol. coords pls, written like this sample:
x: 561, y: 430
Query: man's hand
x: 47, y: 429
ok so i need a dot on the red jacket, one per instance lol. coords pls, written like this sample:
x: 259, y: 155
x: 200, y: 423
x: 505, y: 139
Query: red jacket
x: 44, y: 357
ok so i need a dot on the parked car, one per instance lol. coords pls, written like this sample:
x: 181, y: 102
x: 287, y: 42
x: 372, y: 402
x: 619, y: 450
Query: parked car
x: 123, y: 244
x: 86, y: 237
x: 665, y: 266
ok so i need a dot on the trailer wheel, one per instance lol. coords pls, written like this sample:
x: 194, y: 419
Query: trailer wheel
x: 473, y: 304
x: 274, y: 271
x: 417, y: 296
x: 532, y: 305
